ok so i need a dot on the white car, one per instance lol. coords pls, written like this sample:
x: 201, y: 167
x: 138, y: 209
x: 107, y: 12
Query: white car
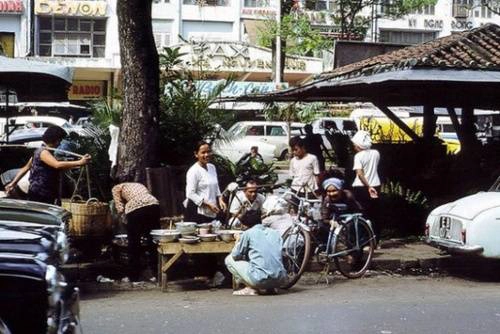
x: 271, y: 133
x: 32, y: 122
x: 235, y: 149
x: 470, y: 225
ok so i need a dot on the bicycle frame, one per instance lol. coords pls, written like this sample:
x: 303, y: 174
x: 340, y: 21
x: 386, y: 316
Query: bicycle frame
x: 333, y: 233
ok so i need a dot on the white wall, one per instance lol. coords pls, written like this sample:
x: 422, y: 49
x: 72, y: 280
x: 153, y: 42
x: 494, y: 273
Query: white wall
x: 208, y: 30
x: 12, y: 24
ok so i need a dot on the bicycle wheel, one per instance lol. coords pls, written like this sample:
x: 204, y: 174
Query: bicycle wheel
x: 296, y: 252
x: 355, y: 245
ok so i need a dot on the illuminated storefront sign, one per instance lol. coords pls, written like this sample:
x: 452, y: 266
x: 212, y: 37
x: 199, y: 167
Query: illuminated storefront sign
x: 71, y: 8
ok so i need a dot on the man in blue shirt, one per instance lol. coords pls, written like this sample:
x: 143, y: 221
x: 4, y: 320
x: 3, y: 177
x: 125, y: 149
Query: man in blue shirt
x: 255, y: 260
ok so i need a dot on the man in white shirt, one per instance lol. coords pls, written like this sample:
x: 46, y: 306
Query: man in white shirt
x: 248, y: 199
x: 366, y: 185
x: 304, y: 169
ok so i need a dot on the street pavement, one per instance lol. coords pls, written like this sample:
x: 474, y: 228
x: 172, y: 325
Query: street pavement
x: 384, y: 303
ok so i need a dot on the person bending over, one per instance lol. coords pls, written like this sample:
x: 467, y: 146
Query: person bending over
x: 255, y: 260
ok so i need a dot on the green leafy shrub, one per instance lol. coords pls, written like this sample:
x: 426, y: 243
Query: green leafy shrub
x: 402, y: 211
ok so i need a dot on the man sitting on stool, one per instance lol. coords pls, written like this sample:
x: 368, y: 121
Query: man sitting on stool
x: 255, y: 260
x: 247, y: 200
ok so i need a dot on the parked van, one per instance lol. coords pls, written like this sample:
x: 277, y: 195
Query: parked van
x: 271, y: 133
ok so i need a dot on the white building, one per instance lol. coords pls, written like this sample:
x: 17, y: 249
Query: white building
x: 84, y: 33
x: 443, y: 19
x: 14, y: 28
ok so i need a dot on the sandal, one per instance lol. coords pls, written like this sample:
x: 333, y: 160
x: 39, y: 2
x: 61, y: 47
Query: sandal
x: 245, y: 292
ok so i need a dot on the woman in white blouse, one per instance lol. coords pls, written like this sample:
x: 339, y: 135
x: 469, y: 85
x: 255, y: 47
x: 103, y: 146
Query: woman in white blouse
x: 203, y: 196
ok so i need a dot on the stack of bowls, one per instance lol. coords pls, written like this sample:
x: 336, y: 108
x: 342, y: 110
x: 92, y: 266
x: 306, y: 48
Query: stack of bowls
x: 186, y: 228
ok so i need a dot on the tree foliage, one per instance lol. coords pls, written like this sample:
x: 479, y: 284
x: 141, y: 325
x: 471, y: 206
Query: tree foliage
x: 185, y: 116
x: 298, y: 34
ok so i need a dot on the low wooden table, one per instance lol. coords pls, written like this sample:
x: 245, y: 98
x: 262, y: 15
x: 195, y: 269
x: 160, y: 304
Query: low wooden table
x: 170, y: 252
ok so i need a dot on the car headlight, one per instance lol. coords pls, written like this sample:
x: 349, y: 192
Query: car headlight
x: 62, y: 247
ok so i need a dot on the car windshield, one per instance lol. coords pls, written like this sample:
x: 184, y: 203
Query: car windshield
x: 235, y: 130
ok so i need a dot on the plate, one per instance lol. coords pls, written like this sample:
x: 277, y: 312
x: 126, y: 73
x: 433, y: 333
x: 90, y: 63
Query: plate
x: 208, y: 237
x: 191, y: 240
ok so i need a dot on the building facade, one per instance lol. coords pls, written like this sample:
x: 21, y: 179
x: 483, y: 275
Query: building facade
x: 83, y: 34
x: 433, y: 21
x: 15, y: 24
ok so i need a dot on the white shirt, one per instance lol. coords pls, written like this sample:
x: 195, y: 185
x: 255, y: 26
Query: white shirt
x: 202, y: 186
x: 367, y: 160
x: 241, y: 200
x: 303, y: 172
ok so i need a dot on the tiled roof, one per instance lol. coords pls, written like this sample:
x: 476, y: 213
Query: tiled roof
x: 477, y: 49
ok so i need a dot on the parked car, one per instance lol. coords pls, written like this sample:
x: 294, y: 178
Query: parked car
x: 469, y: 225
x: 35, y: 298
x: 258, y: 132
x: 234, y: 149
x: 35, y: 122
x: 342, y: 124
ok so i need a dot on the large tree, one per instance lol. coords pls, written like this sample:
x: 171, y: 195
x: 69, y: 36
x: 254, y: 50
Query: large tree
x: 139, y: 131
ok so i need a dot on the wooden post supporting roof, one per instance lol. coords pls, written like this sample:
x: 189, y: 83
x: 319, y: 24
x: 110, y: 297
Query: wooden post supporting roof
x: 456, y: 124
x: 429, y: 123
x: 398, y: 121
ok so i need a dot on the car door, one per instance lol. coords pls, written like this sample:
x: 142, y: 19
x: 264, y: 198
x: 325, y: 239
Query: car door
x: 276, y: 135
x: 256, y: 132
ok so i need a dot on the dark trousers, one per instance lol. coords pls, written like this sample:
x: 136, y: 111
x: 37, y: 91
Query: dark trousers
x: 38, y: 198
x: 370, y: 206
x: 140, y: 222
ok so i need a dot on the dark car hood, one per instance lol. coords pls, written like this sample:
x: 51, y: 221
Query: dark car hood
x: 20, y: 210
x: 25, y: 242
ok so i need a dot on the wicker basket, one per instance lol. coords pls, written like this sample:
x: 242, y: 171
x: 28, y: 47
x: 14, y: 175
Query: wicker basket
x: 90, y: 218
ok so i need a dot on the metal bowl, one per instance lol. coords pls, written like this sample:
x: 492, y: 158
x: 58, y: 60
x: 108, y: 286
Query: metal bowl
x: 208, y: 237
x: 189, y: 240
x: 226, y: 235
x: 165, y: 235
x: 186, y: 228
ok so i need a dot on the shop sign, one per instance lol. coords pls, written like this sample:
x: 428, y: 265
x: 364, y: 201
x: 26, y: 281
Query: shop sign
x: 262, y: 12
x: 11, y: 6
x: 433, y: 24
x: 462, y: 25
x: 239, y: 88
x: 86, y: 90
x: 237, y: 56
x: 71, y: 8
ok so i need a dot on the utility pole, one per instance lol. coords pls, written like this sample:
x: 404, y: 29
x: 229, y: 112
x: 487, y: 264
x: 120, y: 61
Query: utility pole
x: 277, y: 77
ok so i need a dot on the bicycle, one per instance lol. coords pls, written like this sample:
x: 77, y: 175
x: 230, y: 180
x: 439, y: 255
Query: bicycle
x: 350, y: 242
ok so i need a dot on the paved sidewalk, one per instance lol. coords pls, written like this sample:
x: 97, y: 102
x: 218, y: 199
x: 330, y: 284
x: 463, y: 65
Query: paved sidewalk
x: 400, y: 256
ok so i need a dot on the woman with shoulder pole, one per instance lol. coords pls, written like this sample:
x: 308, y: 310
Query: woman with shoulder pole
x: 44, y: 167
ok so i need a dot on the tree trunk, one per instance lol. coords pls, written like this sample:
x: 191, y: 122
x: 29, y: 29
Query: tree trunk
x: 139, y: 133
